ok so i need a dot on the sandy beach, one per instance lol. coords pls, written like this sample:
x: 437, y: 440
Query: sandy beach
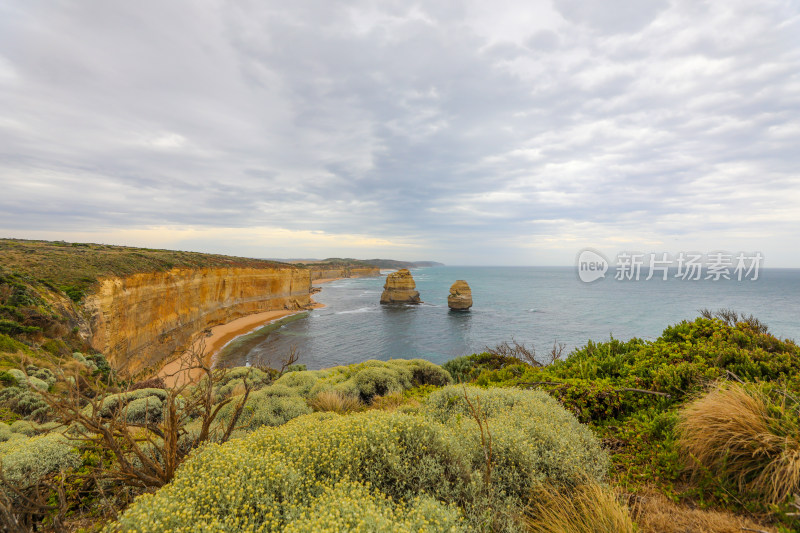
x: 223, y: 334
x: 323, y: 280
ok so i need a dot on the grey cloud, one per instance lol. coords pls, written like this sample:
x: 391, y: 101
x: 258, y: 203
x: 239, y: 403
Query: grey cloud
x: 612, y: 16
x: 398, y: 121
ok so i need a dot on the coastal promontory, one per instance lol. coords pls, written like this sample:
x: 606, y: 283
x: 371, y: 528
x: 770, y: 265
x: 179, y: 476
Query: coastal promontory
x: 400, y: 288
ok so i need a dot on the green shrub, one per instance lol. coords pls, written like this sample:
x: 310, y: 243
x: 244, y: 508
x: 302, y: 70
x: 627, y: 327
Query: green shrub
x: 56, y: 347
x: 11, y: 327
x: 26, y: 461
x: 468, y: 367
x: 100, y: 362
x: 88, y: 363
x: 7, y: 379
x: 9, y: 345
x: 592, y: 380
x: 75, y: 294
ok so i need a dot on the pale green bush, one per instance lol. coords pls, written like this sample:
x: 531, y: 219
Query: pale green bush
x: 39, y: 378
x: 533, y: 436
x: 24, y: 401
x: 235, y: 377
x: 19, y: 375
x: 26, y: 461
x: 148, y: 409
x: 30, y: 429
x: 37, y: 383
x: 114, y: 401
x: 78, y: 356
x: 368, y: 379
x: 300, y: 382
x: 44, y: 374
x: 270, y: 406
x: 5, y: 432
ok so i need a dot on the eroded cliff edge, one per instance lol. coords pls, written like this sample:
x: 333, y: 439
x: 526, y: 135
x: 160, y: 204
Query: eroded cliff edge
x: 328, y: 272
x: 140, y: 320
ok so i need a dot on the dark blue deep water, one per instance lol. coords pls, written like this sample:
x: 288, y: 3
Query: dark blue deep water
x: 533, y: 305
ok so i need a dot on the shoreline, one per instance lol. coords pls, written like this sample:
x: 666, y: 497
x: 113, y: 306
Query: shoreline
x: 222, y: 334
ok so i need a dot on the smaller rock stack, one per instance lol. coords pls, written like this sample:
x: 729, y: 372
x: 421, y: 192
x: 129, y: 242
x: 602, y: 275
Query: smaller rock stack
x: 399, y: 288
x: 460, y: 298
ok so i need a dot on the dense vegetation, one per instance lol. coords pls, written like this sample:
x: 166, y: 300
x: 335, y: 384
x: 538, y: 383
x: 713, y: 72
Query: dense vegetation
x: 633, y: 394
x: 697, y: 429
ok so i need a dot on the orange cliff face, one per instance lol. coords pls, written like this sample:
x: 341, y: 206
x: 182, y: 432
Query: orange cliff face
x: 141, y: 320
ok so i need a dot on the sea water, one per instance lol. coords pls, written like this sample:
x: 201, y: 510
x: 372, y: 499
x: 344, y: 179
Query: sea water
x: 535, y: 306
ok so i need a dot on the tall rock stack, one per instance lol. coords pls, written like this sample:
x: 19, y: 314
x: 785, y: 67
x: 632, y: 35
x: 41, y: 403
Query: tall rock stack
x: 399, y: 288
x: 460, y: 298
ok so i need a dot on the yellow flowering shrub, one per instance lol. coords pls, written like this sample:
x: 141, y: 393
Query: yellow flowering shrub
x: 375, y: 471
x: 352, y: 507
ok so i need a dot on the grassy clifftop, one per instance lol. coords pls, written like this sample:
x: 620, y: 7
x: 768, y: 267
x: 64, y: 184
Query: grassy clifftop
x: 74, y: 267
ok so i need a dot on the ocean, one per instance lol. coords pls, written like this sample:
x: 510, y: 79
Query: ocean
x: 535, y: 306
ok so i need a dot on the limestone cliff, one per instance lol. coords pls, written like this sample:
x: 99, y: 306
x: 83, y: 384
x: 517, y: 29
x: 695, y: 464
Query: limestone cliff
x: 460, y: 297
x: 342, y: 271
x: 400, y: 288
x: 139, y: 320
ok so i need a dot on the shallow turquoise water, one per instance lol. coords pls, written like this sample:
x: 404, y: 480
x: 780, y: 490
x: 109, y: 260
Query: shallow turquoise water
x: 534, y: 305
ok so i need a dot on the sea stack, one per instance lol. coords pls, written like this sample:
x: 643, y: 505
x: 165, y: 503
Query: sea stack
x: 460, y: 298
x: 399, y: 288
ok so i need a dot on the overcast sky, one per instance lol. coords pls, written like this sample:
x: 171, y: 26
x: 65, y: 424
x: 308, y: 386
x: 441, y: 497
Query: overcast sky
x: 503, y: 132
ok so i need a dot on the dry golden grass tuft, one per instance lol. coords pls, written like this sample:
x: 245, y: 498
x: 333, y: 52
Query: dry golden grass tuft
x: 393, y: 401
x: 589, y: 508
x: 747, y: 435
x: 335, y: 401
x: 654, y: 513
x: 239, y: 389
